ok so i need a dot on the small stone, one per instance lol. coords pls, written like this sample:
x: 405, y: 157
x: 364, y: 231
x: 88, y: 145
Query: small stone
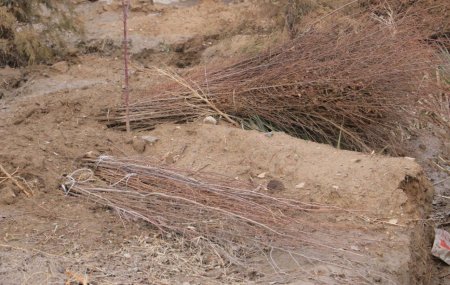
x: 300, y: 185
x: 269, y: 134
x: 262, y: 175
x: 410, y: 158
x: 61, y: 66
x: 210, y: 120
x: 139, y: 144
x: 275, y: 186
x: 127, y: 255
x: 356, y: 160
x: 335, y: 187
x: 393, y: 221
x: 150, y: 139
x: 354, y: 247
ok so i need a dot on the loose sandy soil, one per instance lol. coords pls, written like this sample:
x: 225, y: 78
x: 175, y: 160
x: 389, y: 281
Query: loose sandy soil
x: 47, y: 122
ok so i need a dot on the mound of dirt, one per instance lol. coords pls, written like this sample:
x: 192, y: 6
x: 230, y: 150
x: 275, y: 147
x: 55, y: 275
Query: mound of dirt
x: 391, y: 193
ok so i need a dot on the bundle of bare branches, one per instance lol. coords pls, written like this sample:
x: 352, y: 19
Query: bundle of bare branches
x: 236, y: 220
x: 351, y: 83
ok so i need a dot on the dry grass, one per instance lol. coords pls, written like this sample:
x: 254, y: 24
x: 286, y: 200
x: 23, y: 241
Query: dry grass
x: 352, y: 83
x: 443, y: 79
x: 29, y: 36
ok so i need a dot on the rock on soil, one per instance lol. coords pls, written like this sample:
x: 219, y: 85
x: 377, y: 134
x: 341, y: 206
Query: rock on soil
x: 210, y: 120
x: 150, y: 139
x: 139, y: 144
x: 275, y: 186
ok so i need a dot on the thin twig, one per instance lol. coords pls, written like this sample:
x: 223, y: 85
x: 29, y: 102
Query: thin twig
x: 14, y: 180
x: 445, y: 197
x: 441, y: 181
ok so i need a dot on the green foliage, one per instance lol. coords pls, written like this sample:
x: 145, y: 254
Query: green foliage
x: 255, y: 122
x: 34, y: 31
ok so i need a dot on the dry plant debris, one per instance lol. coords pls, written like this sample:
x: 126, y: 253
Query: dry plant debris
x: 32, y: 31
x: 354, y: 84
x: 79, y: 278
x: 25, y: 189
x: 236, y: 221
